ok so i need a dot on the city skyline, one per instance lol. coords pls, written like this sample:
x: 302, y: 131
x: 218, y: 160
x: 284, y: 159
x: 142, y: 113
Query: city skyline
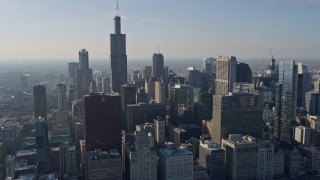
x: 246, y: 29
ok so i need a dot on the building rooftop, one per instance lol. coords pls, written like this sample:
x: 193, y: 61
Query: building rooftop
x: 210, y: 145
x: 240, y: 140
x: 175, y: 151
x: 98, y: 154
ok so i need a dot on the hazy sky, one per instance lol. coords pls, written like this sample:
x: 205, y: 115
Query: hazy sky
x: 58, y: 29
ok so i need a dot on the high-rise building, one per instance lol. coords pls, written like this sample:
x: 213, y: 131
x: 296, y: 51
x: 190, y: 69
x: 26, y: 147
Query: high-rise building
x: 286, y: 101
x: 68, y: 161
x: 304, y: 84
x: 212, y: 157
x: 175, y: 163
x: 72, y: 80
x: 141, y: 113
x: 266, y: 160
x: 158, y: 66
x: 181, y: 98
x: 62, y: 96
x: 160, y: 94
x: 83, y: 74
x: 236, y: 113
x: 142, y: 156
x: 226, y: 70
x: 313, y: 103
x: 241, y: 157
x: 193, y: 77
x: 244, y: 73
x: 128, y: 96
x: 24, y: 80
x: 106, y: 85
x: 42, y: 145
x: 40, y: 101
x: 159, y: 130
x: 210, y: 65
x: 147, y: 72
x: 104, y: 165
x: 102, y: 119
x: 150, y: 88
x: 142, y: 96
x: 118, y: 56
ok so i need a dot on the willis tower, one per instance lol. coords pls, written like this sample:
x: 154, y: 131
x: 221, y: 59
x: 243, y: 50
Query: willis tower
x: 118, y: 55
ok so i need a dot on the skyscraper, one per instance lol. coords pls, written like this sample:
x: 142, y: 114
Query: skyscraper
x: 304, y: 84
x: 128, y: 96
x: 118, y: 56
x: 62, y: 96
x: 40, y: 101
x: 244, y: 73
x: 42, y: 144
x: 158, y: 66
x: 102, y: 119
x: 226, y: 69
x: 210, y: 65
x: 236, y: 113
x: 286, y: 101
x: 83, y: 74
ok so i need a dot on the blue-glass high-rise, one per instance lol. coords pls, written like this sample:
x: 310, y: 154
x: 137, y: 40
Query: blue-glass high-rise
x: 286, y: 101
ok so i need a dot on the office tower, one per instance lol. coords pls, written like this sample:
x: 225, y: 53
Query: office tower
x: 266, y: 160
x: 68, y: 160
x: 302, y: 134
x: 212, y: 157
x: 193, y: 77
x: 313, y: 103
x: 226, y: 70
x: 210, y: 65
x: 142, y: 158
x: 292, y: 162
x: 142, y: 96
x: 102, y: 121
x: 304, y: 84
x: 158, y: 66
x: 118, y: 56
x: 135, y: 76
x: 141, y: 113
x: 159, y: 130
x: 181, y: 98
x: 150, y: 88
x: 147, y: 72
x: 278, y: 163
x: 244, y: 73
x: 62, y: 96
x: 175, y: 163
x: 286, y: 101
x: 236, y: 113
x: 313, y: 154
x: 78, y: 132
x: 104, y: 165
x: 78, y: 108
x: 42, y: 144
x: 93, y: 87
x: 40, y: 101
x: 83, y: 74
x: 128, y: 96
x: 241, y: 157
x: 160, y: 90
x: 72, y: 80
x: 106, y: 85
x: 24, y: 80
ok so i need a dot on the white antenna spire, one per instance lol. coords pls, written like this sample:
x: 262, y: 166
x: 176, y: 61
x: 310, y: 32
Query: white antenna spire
x: 117, y: 7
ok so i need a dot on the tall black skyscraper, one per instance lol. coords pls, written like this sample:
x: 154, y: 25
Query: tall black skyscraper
x: 84, y: 74
x: 128, y: 96
x: 158, y: 66
x: 118, y: 56
x: 40, y: 101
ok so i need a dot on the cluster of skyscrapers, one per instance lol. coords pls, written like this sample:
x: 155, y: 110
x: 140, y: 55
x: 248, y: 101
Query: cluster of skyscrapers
x: 217, y: 123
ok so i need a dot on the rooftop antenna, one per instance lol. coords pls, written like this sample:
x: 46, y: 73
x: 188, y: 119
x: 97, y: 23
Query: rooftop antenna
x: 117, y: 7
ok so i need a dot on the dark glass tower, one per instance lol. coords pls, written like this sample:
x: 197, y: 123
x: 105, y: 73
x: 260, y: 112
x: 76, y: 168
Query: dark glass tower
x: 158, y: 66
x: 40, y: 101
x: 102, y: 119
x: 128, y: 96
x: 118, y: 56
x: 84, y: 74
